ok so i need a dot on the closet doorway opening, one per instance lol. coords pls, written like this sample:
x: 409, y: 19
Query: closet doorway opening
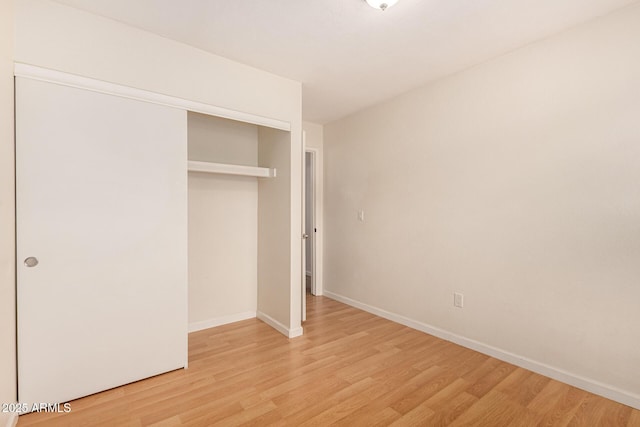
x: 238, y: 222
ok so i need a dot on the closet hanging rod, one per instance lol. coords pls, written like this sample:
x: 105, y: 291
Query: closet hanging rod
x: 208, y: 167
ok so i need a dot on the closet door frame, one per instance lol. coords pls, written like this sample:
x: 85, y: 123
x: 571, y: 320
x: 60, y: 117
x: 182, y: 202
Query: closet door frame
x: 65, y: 79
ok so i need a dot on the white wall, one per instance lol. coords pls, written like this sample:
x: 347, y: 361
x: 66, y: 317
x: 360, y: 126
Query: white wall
x: 54, y: 36
x: 7, y: 213
x: 223, y: 224
x: 516, y: 183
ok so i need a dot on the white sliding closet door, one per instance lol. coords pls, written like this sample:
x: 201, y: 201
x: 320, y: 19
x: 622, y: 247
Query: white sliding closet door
x: 102, y: 206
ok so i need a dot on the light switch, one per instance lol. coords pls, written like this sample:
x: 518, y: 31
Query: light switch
x: 361, y: 215
x: 458, y: 300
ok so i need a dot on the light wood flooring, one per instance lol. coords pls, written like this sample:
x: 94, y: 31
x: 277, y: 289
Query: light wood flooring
x: 350, y: 368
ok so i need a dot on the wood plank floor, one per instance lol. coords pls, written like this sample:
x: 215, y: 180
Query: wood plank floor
x: 350, y: 368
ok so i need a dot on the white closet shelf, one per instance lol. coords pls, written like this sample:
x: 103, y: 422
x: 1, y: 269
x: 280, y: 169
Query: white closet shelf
x: 208, y: 167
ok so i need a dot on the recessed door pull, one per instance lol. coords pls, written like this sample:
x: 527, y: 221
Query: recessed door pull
x: 31, y: 261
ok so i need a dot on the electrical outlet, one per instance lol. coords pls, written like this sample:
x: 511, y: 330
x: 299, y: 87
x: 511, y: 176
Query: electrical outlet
x: 458, y: 300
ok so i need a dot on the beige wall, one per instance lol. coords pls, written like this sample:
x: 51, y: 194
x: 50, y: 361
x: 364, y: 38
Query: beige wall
x: 223, y: 245
x: 7, y: 209
x: 314, y: 135
x: 218, y: 140
x: 515, y: 183
x: 223, y: 223
x: 274, y: 217
x: 55, y: 36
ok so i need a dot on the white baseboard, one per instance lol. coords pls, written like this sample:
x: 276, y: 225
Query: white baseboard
x: 12, y: 419
x: 222, y: 320
x: 590, y: 385
x: 295, y: 332
x: 289, y: 333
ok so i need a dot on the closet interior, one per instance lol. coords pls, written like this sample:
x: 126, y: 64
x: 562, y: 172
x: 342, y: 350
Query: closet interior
x: 233, y: 166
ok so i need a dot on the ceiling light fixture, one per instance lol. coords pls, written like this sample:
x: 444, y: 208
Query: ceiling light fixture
x: 381, y: 4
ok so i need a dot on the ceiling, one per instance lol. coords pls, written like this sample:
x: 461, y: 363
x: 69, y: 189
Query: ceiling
x: 347, y: 55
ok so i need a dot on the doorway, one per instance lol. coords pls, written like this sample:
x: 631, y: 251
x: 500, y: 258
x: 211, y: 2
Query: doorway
x: 311, y: 280
x: 310, y: 222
